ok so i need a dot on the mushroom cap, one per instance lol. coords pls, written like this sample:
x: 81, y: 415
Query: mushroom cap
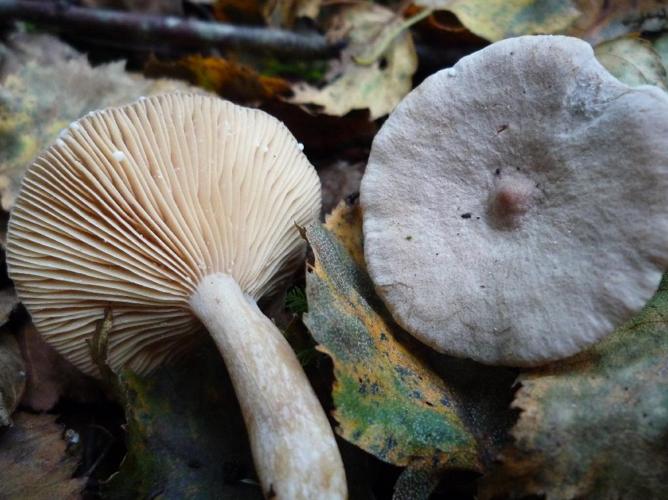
x: 516, y: 205
x: 134, y: 205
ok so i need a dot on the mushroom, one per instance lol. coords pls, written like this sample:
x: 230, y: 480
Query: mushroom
x: 177, y: 211
x: 516, y: 205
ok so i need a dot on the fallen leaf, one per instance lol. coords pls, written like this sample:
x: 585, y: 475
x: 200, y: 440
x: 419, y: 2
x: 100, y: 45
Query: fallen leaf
x: 325, y: 135
x: 225, y: 77
x: 595, y: 426
x: 358, y: 81
x: 284, y: 13
x: 498, y: 19
x: 49, y: 376
x: 593, y: 20
x: 45, y: 86
x: 345, y: 224
x: 633, y: 61
x: 12, y: 376
x: 185, y: 434
x: 387, y: 401
x: 603, y: 20
x: 34, y: 461
x: 661, y: 48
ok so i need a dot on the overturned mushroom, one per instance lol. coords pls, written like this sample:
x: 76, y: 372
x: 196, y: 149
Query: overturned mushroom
x: 516, y: 205
x: 176, y: 211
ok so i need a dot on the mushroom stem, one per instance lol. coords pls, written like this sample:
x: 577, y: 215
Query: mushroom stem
x: 293, y: 445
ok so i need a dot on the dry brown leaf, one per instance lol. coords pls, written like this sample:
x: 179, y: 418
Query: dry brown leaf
x: 225, y: 77
x: 50, y: 376
x: 45, y: 85
x: 34, y: 461
x: 375, y: 69
x: 12, y: 377
x: 284, y: 13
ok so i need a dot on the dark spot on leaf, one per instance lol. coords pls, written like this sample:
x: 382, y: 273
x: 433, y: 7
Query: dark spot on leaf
x: 467, y: 215
x: 383, y: 336
x: 501, y: 129
x: 429, y: 403
x: 408, y: 238
x: 382, y: 64
x: 497, y: 171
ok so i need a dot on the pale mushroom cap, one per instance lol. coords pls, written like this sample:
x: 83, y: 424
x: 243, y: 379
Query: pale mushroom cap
x: 516, y: 205
x: 131, y: 208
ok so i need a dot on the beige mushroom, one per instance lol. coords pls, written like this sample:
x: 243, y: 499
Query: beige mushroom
x: 516, y: 205
x: 178, y: 211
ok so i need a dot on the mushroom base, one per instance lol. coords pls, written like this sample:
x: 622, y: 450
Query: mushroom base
x: 293, y: 445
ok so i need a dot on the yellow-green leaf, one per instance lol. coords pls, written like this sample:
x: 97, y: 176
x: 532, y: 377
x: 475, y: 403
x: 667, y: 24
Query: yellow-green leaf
x: 633, y: 61
x: 388, y: 401
x: 186, y: 437
x: 595, y: 426
x: 498, y: 19
x: 45, y: 86
x: 594, y: 20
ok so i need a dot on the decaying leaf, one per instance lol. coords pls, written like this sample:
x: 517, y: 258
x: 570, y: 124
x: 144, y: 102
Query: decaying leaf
x: 284, y: 13
x: 35, y: 462
x: 595, y: 427
x: 12, y: 376
x: 186, y: 437
x: 594, y: 20
x: 498, y: 19
x: 49, y: 376
x: 225, y: 77
x: 603, y: 20
x: 633, y: 61
x: 387, y: 401
x: 45, y: 85
x: 661, y: 48
x: 357, y: 81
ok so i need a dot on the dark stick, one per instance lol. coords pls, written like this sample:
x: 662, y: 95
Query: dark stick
x: 169, y: 30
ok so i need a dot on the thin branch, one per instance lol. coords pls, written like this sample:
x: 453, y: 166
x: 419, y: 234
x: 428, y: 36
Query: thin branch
x: 168, y: 30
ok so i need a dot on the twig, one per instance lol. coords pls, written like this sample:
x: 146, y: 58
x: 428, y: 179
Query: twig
x: 169, y: 30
